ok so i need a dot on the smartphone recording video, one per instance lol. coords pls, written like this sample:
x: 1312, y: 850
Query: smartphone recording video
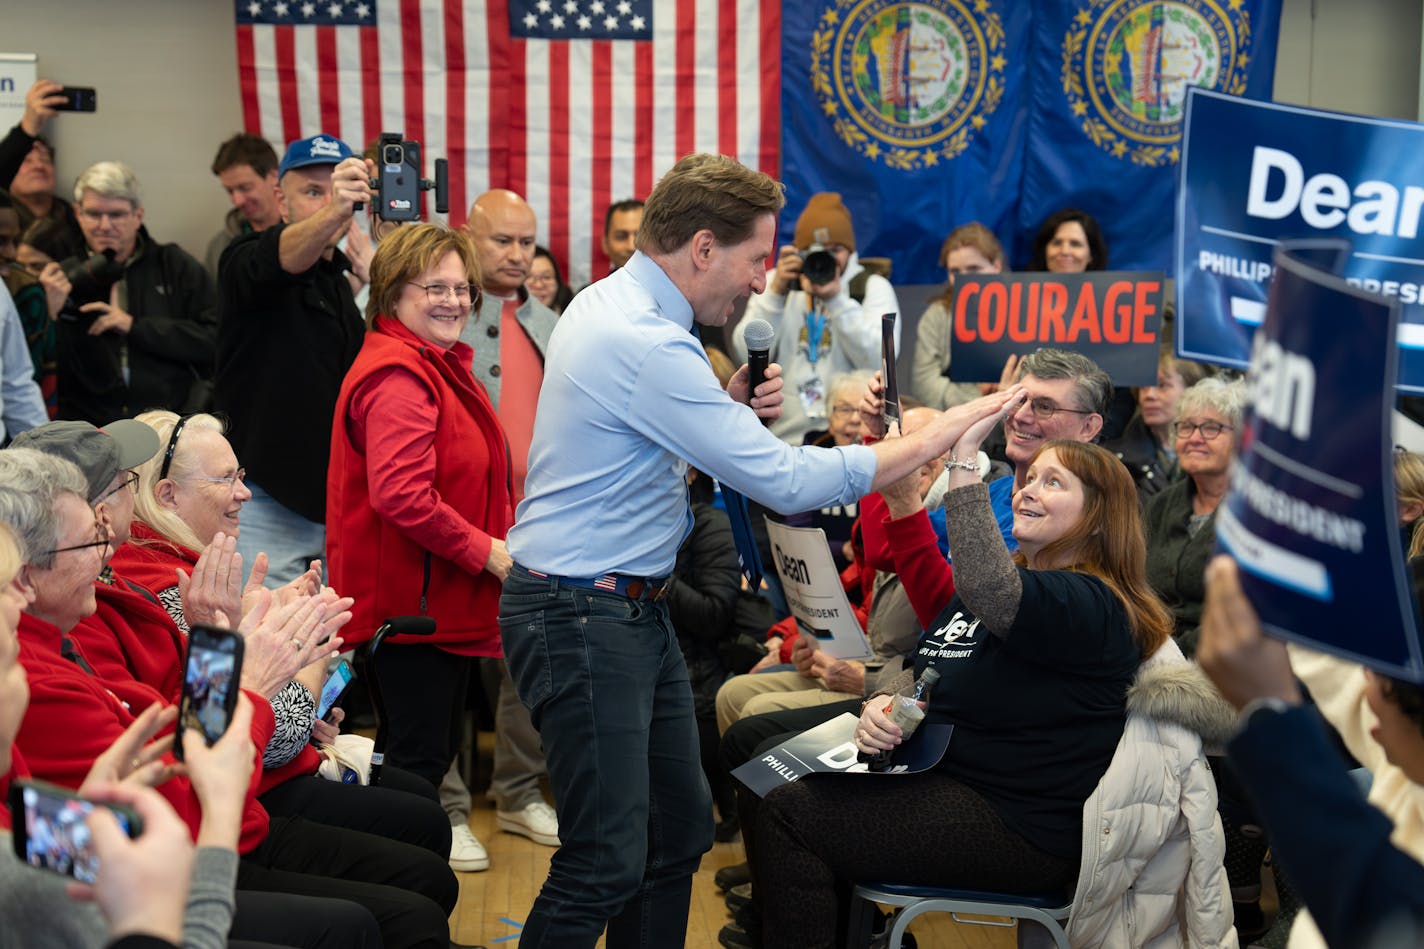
x: 210, y: 684
x: 51, y: 830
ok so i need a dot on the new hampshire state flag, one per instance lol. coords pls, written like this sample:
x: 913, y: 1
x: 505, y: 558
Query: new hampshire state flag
x: 1108, y: 99
x: 925, y: 115
x: 915, y: 112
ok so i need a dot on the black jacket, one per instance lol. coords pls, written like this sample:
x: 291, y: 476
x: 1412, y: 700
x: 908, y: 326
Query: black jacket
x: 702, y: 600
x: 171, y: 345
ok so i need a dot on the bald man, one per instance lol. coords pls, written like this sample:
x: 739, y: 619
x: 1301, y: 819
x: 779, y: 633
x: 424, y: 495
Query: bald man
x: 509, y: 334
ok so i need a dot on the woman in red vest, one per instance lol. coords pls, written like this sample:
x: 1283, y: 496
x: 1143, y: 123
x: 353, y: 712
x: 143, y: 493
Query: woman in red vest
x: 418, y: 493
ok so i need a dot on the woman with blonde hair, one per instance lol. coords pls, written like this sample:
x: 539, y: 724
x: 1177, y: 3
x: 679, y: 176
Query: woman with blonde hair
x: 969, y: 249
x: 1409, y: 498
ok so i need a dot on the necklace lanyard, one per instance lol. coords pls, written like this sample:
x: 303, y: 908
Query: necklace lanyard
x: 815, y: 326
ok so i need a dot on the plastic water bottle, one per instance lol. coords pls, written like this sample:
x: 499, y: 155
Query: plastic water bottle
x: 907, y: 709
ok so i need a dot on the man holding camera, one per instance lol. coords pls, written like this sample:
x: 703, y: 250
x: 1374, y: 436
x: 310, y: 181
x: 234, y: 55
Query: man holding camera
x: 139, y: 328
x: 826, y: 309
x: 289, y: 329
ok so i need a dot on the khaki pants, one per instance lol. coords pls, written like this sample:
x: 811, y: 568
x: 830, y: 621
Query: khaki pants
x: 752, y: 694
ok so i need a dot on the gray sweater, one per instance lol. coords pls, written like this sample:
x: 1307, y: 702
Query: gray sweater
x: 36, y: 913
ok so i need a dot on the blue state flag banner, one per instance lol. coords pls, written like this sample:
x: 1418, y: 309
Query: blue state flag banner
x: 1110, y: 87
x: 1256, y: 173
x: 1310, y: 514
x: 914, y: 112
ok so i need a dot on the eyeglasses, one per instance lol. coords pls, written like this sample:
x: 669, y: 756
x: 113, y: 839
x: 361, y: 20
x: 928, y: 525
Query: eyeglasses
x: 1046, y: 408
x: 94, y: 216
x: 101, y: 539
x: 438, y: 293
x: 130, y: 481
x: 1209, y: 430
x: 172, y: 446
x: 231, y: 480
x: 841, y: 410
x: 540, y: 278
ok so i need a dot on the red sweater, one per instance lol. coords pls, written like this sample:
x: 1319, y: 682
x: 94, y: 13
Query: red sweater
x: 73, y: 718
x: 130, y: 635
x: 419, y: 483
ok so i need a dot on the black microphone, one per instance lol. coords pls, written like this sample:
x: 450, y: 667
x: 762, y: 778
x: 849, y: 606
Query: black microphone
x: 758, y: 336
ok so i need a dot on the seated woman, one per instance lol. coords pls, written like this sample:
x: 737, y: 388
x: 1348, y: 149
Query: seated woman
x: 189, y: 494
x: 1181, y: 522
x: 969, y: 249
x: 1148, y: 446
x: 1035, y: 655
x: 189, y: 499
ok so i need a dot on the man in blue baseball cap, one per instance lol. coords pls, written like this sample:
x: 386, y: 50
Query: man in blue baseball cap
x: 288, y: 330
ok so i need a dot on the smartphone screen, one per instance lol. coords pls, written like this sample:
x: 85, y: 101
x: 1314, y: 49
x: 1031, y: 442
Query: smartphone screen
x: 51, y: 830
x: 81, y: 99
x: 210, y: 683
x: 334, y: 686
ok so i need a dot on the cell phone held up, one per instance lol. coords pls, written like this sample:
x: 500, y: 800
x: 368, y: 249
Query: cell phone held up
x: 333, y: 689
x: 211, y: 674
x: 52, y: 831
x: 78, y: 99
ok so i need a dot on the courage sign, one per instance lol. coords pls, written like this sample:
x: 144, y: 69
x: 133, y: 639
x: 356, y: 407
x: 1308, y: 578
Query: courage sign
x: 1113, y: 318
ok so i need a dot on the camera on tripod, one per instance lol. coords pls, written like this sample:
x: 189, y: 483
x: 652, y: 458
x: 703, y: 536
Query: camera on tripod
x: 399, y: 182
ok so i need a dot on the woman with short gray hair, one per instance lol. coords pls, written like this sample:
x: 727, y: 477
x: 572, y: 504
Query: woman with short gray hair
x: 1180, y: 522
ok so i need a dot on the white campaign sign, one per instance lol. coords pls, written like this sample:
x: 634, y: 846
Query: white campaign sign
x: 813, y: 590
x: 17, y: 74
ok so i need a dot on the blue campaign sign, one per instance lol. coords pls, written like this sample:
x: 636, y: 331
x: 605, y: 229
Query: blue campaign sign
x: 1256, y: 173
x: 1310, y: 515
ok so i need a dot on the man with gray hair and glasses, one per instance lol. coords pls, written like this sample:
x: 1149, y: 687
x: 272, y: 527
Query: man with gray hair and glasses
x: 140, y: 330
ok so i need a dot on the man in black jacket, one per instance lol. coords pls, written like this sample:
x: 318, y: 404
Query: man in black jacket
x: 289, y: 331
x: 140, y: 333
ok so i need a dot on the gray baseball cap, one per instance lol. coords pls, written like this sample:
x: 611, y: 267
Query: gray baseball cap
x: 100, y: 453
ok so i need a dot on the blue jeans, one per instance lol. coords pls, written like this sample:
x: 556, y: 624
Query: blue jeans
x: 290, y: 541
x: 606, y: 685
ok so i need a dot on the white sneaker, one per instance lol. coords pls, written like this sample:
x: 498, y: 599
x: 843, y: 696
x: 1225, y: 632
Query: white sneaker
x: 536, y: 821
x: 466, y: 852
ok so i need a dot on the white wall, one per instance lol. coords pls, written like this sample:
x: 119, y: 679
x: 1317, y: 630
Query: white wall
x: 166, y: 71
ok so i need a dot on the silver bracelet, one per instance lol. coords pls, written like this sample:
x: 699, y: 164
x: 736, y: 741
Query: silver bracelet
x: 967, y: 465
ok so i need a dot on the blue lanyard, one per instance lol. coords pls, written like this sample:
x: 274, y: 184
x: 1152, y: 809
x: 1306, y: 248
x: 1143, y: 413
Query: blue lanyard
x: 815, y: 325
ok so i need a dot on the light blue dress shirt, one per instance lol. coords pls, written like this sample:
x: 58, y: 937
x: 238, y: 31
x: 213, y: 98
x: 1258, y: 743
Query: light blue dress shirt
x: 628, y: 401
x: 21, y: 404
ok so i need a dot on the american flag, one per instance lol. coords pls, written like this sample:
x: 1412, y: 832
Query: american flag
x: 574, y: 104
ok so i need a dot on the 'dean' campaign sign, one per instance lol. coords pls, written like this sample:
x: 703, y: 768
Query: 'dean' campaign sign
x: 1113, y: 318
x: 1310, y: 515
x: 1255, y: 173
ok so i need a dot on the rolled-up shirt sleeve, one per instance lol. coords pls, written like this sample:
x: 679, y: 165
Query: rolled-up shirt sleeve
x: 393, y: 414
x: 693, y: 418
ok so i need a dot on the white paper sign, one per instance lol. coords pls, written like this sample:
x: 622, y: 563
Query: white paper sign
x: 17, y: 74
x: 812, y: 585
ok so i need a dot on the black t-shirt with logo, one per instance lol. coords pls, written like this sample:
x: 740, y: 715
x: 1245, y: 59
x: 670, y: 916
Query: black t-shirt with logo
x: 1038, y: 712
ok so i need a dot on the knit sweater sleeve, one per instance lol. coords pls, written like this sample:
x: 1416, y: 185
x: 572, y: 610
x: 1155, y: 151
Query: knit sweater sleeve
x: 984, y: 574
x: 211, y: 899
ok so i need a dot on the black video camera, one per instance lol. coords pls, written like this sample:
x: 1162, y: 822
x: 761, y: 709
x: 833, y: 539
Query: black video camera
x: 399, y: 183
x: 90, y: 280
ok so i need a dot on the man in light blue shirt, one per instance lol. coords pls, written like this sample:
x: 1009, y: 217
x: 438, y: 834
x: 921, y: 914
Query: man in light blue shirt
x: 628, y: 401
x: 21, y: 404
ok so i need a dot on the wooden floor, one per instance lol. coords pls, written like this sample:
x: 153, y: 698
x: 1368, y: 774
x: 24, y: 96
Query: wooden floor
x: 493, y: 903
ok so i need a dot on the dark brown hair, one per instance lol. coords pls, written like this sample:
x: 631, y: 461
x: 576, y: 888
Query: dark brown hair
x: 707, y: 192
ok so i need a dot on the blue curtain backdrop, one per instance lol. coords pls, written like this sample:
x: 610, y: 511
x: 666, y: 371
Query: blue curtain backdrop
x: 926, y: 115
